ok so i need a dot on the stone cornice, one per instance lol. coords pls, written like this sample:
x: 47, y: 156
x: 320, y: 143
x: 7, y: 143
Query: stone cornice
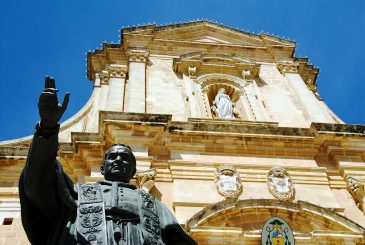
x: 338, y: 129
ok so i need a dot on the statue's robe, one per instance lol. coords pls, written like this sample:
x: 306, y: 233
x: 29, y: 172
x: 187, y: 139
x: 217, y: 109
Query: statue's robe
x: 50, y: 204
x: 224, y: 106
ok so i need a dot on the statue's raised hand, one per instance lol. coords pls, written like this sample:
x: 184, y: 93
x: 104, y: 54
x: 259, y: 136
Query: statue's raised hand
x: 49, y: 108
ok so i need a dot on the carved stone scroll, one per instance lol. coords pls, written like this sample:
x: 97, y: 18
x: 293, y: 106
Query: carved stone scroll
x: 192, y: 72
x: 356, y: 188
x: 287, y: 66
x: 144, y: 180
x: 246, y: 74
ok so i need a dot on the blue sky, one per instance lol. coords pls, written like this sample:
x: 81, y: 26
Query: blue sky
x: 51, y: 37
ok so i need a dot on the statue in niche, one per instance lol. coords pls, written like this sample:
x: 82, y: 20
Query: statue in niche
x: 223, y: 107
x: 111, y: 211
x: 228, y: 181
x: 280, y: 183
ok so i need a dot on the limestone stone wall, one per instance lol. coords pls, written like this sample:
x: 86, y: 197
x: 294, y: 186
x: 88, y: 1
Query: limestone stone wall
x: 281, y: 104
x: 165, y: 92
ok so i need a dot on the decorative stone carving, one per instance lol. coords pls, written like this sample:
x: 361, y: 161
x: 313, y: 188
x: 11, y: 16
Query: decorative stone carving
x: 356, y: 188
x: 144, y: 180
x: 280, y: 184
x: 137, y: 55
x: 277, y: 231
x: 311, y: 86
x: 228, y: 181
x: 192, y: 72
x: 287, y: 66
x: 246, y: 74
x: 208, y: 78
x: 104, y: 77
x: 116, y: 71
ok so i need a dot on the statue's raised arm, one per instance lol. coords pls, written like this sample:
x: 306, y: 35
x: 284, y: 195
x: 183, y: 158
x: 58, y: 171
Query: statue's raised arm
x: 39, y: 185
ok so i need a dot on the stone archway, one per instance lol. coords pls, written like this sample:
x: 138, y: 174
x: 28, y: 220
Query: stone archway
x: 240, y: 222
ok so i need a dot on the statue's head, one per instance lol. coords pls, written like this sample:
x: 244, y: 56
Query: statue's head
x: 221, y: 91
x: 119, y: 163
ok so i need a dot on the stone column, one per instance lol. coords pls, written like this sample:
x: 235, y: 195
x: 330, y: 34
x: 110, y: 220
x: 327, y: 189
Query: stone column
x: 115, y: 98
x: 309, y: 102
x: 135, y: 99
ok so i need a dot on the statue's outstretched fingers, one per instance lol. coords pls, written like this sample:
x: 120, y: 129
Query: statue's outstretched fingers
x: 65, y: 102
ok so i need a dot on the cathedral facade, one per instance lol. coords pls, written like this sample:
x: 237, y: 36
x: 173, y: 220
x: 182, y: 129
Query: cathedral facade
x: 228, y: 130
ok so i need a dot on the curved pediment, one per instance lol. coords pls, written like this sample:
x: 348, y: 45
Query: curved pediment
x: 245, y: 218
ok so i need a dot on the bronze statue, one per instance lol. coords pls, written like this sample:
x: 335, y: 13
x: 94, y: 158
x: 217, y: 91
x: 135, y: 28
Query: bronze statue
x: 112, y: 211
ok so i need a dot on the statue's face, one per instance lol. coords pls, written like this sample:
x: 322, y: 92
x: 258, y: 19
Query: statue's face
x: 119, y: 164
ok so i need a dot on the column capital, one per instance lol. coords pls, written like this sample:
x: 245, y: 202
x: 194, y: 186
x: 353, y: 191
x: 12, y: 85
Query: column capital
x: 104, y: 77
x: 117, y: 71
x: 287, y: 66
x: 137, y: 55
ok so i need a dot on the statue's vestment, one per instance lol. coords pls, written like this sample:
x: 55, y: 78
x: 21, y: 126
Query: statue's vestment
x: 55, y: 211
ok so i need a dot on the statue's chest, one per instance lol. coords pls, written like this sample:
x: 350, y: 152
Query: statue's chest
x: 120, y: 199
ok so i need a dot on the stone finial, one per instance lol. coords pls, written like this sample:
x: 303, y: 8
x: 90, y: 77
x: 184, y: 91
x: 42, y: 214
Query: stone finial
x: 137, y: 55
x: 192, y: 72
x: 228, y: 181
x: 144, y: 180
x: 356, y: 188
x: 287, y: 66
x: 280, y: 184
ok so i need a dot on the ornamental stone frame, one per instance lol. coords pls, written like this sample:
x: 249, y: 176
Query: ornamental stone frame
x: 242, y: 92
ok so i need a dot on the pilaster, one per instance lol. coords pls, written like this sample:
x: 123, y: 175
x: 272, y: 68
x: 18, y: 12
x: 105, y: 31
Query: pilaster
x: 309, y: 102
x: 190, y: 98
x: 135, y: 100
x: 104, y: 86
x: 254, y: 100
x: 115, y: 98
x: 208, y: 113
